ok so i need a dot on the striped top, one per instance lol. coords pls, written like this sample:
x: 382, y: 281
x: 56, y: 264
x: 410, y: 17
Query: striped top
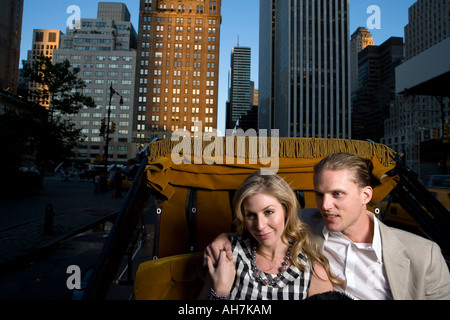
x: 294, y: 284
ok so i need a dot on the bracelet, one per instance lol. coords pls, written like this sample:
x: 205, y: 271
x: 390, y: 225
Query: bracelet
x: 212, y: 295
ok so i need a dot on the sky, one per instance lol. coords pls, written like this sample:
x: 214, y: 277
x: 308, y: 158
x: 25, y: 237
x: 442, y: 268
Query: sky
x: 240, y: 20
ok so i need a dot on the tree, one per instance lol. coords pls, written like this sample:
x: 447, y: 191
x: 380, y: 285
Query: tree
x: 19, y: 132
x: 59, y: 86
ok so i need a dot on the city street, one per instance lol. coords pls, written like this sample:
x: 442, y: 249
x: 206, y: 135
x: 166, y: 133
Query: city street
x: 62, y: 195
x: 43, y: 275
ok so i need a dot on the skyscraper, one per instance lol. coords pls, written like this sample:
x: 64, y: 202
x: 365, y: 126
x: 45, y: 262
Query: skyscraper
x: 239, y: 87
x: 361, y: 38
x: 428, y: 24
x: 44, y: 43
x: 178, y: 67
x: 371, y: 101
x: 10, y: 35
x: 414, y: 118
x: 304, y: 75
x: 104, y: 49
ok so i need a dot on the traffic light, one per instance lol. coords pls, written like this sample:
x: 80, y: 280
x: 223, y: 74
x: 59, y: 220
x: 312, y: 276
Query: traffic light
x: 113, y: 127
x: 436, y: 134
x: 103, y: 128
x: 445, y: 136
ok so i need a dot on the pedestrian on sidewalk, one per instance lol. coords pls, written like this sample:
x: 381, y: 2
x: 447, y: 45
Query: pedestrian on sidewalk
x: 97, y: 183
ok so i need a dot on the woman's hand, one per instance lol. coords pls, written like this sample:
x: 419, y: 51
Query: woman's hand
x: 213, y: 250
x: 222, y: 275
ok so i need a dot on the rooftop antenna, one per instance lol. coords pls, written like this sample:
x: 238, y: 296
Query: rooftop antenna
x: 238, y: 40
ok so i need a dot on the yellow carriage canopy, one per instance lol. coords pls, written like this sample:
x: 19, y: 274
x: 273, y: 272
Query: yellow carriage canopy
x: 194, y: 179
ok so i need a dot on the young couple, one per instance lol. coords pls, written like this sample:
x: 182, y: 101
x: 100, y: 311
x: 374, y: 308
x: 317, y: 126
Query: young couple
x: 341, y: 246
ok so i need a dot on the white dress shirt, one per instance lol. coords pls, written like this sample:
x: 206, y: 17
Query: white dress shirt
x: 360, y: 265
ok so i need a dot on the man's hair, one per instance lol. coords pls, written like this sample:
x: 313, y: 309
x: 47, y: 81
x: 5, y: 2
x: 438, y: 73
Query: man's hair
x: 346, y: 161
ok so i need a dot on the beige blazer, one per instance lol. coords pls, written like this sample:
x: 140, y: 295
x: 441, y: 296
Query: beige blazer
x: 415, y: 267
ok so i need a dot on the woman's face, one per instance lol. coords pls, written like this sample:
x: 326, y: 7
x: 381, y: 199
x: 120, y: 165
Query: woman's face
x: 264, y: 218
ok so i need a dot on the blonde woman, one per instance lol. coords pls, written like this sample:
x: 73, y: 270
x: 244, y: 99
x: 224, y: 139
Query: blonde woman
x: 274, y: 255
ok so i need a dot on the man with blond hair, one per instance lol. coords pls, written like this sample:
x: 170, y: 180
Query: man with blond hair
x: 376, y: 262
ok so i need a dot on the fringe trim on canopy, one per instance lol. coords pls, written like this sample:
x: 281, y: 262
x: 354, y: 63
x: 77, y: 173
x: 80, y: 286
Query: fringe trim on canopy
x: 254, y: 147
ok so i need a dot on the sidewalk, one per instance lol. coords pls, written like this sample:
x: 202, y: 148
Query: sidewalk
x: 30, y: 238
x: 76, y: 207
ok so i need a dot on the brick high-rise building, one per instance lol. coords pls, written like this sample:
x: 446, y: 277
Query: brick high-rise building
x: 178, y: 67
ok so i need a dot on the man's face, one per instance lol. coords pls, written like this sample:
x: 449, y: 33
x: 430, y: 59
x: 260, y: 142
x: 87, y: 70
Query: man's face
x: 341, y: 201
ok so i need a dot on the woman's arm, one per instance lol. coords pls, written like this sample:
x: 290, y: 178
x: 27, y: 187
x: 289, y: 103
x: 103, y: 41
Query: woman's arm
x: 319, y: 282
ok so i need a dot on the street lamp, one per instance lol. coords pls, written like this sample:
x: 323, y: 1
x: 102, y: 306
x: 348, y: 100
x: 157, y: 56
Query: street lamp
x: 112, y: 92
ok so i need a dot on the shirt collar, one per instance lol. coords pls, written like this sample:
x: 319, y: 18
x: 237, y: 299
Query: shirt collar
x: 376, y: 242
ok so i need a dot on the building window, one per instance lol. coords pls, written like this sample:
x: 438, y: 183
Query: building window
x: 39, y: 36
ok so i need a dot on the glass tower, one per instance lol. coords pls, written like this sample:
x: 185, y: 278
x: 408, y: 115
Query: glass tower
x: 240, y: 95
x: 304, y: 75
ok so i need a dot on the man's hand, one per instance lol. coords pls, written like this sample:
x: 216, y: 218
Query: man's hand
x: 219, y: 245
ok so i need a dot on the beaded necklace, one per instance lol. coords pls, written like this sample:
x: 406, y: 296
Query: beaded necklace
x: 257, y: 273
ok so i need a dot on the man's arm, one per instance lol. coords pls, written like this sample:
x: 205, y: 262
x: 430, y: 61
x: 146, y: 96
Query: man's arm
x: 438, y: 278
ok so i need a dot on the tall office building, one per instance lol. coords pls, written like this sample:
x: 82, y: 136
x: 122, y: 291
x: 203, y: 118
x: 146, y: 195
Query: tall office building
x: 105, y: 51
x: 178, y: 67
x: 371, y: 101
x: 44, y: 43
x: 10, y: 35
x: 240, y: 88
x: 304, y: 75
x: 428, y: 24
x: 114, y: 11
x: 361, y: 38
x: 414, y: 118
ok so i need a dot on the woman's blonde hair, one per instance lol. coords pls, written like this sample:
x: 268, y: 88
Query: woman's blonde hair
x: 295, y: 231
